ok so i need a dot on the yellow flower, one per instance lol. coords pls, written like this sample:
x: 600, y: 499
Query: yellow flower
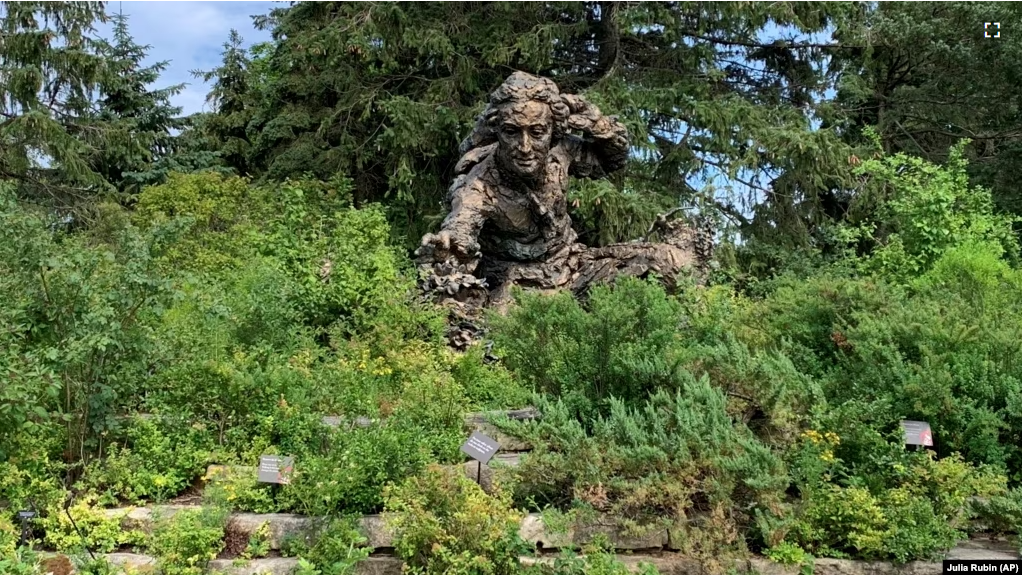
x: 827, y: 456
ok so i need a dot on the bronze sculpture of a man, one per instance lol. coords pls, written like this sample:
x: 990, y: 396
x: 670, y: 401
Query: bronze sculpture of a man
x: 508, y: 222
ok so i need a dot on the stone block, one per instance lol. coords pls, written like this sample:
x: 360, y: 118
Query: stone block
x: 581, y: 533
x: 374, y: 528
x: 379, y: 565
x: 142, y: 518
x: 266, y: 566
x: 283, y: 526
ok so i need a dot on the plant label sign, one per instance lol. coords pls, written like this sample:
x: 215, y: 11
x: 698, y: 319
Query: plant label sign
x: 480, y: 447
x: 24, y: 515
x: 275, y: 469
x: 918, y: 433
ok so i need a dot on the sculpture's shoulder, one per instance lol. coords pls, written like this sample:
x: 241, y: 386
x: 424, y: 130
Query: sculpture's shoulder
x: 473, y: 158
x: 474, y: 177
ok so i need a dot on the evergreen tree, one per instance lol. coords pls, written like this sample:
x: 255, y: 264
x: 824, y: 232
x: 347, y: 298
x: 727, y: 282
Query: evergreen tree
x: 925, y: 76
x: 230, y: 98
x: 144, y: 117
x: 383, y: 92
x: 49, y: 71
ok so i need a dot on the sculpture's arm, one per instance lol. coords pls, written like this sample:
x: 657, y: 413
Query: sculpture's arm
x: 459, y: 234
x: 605, y: 147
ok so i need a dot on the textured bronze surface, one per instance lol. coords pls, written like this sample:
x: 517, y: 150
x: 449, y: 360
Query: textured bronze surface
x: 508, y: 222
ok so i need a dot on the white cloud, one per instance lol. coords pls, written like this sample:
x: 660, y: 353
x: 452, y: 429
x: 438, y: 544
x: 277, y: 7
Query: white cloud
x: 190, y: 35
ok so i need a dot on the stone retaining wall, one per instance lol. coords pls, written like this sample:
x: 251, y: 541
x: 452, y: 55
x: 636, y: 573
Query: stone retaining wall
x: 665, y: 562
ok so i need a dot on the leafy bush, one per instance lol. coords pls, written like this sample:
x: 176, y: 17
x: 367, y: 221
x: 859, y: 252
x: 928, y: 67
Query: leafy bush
x: 351, y: 477
x: 24, y: 561
x: 920, y: 512
x: 259, y: 542
x: 1001, y: 513
x: 921, y: 210
x: 622, y: 344
x: 8, y: 538
x: 239, y: 490
x: 185, y: 542
x: 339, y: 547
x: 74, y: 327
x: 151, y: 464
x: 99, y: 531
x: 444, y: 523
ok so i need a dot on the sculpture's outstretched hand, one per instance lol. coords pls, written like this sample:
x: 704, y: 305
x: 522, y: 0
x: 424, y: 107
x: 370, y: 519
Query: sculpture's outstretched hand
x: 443, y: 245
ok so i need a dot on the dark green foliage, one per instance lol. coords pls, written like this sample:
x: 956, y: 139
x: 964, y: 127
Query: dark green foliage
x: 622, y: 344
x: 912, y: 73
x: 137, y: 154
x: 49, y: 67
x: 676, y: 457
x: 383, y: 92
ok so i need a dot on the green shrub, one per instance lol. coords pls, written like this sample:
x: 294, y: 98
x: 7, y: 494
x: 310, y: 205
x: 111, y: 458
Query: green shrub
x: 677, y: 458
x: 1002, y: 513
x: 100, y: 532
x: 351, y: 477
x: 920, y: 513
x: 259, y: 542
x: 444, y: 524
x: 239, y: 490
x: 339, y: 547
x: 24, y: 561
x: 185, y: 542
x: 155, y: 462
x: 8, y: 538
x: 622, y: 344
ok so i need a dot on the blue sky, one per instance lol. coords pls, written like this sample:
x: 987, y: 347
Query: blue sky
x: 190, y: 35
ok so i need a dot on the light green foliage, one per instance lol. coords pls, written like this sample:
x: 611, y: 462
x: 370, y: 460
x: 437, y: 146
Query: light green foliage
x: 23, y: 561
x: 30, y: 476
x: 186, y: 541
x: 884, y: 353
x: 444, y: 523
x: 488, y: 386
x: 152, y: 464
x: 8, y: 538
x: 788, y: 554
x: 923, y: 210
x: 338, y: 549
x: 219, y: 229
x: 86, y: 565
x: 76, y: 325
x: 238, y: 490
x: 101, y: 532
x: 1000, y: 513
x: 920, y: 511
x: 259, y: 542
x: 351, y: 476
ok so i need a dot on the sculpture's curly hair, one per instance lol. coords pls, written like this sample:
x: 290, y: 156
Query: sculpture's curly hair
x: 519, y: 87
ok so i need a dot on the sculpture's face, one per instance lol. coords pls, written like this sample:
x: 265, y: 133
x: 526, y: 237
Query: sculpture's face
x: 524, y: 138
